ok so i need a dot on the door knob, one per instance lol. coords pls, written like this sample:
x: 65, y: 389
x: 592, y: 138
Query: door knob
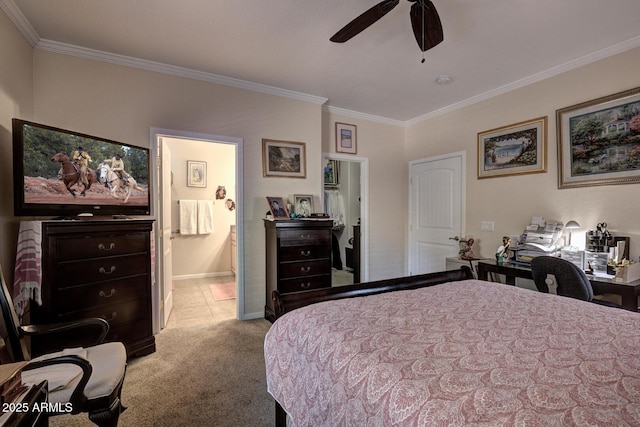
x: 456, y: 238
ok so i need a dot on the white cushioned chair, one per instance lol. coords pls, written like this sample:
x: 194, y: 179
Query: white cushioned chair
x: 87, y: 379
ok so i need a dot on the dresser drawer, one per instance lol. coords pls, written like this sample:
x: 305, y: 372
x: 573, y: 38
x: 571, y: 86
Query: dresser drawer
x: 115, y: 314
x: 304, y: 268
x: 304, y: 237
x: 304, y: 283
x: 99, y: 270
x: 86, y: 247
x: 120, y: 316
x: 297, y: 253
x: 114, y: 291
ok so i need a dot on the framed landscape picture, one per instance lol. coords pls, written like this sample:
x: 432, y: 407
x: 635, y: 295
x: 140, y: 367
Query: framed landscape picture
x: 284, y: 159
x: 599, y: 141
x: 346, y: 138
x: 516, y: 149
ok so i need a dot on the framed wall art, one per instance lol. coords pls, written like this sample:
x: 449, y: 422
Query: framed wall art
x: 284, y: 159
x: 516, y: 149
x: 330, y: 173
x: 599, y: 141
x: 196, y: 174
x: 346, y: 139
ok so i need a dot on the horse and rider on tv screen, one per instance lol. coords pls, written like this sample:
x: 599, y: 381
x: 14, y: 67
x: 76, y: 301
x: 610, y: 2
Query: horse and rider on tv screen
x: 60, y: 167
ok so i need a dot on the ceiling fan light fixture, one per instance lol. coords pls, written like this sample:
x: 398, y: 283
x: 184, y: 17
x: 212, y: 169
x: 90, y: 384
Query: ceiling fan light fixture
x: 443, y: 79
x: 425, y: 23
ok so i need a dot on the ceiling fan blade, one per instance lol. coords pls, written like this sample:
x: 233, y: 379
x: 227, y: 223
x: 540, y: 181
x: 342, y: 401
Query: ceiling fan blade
x: 363, y: 21
x: 426, y: 24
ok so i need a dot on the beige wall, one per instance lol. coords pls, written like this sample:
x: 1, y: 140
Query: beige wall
x: 202, y: 255
x: 15, y: 101
x: 511, y: 201
x: 382, y: 145
x: 123, y: 104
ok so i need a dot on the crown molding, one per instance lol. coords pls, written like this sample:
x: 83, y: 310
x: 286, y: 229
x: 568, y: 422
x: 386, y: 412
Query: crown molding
x: 18, y: 19
x: 551, y: 72
x: 127, y: 61
x: 21, y: 23
x: 365, y: 116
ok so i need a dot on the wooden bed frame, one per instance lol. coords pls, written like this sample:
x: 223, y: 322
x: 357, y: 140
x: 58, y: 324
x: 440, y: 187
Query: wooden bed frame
x: 284, y: 303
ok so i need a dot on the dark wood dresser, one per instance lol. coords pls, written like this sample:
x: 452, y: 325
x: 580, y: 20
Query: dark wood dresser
x: 298, y: 257
x: 97, y: 268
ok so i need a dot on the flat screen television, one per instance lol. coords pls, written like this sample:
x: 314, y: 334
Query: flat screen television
x: 48, y: 182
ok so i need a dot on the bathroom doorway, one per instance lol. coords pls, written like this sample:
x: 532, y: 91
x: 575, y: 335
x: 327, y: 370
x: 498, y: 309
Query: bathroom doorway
x: 224, y: 240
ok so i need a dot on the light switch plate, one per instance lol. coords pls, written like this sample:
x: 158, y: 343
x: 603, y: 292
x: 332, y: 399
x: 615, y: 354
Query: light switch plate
x: 486, y: 225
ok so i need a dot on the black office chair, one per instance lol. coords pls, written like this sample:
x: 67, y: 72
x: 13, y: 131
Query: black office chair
x: 571, y: 280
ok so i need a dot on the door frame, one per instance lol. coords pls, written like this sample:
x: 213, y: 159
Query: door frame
x: 165, y: 249
x: 158, y: 291
x: 364, y: 205
x: 463, y: 195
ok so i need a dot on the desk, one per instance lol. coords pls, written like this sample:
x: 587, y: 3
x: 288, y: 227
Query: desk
x: 628, y: 291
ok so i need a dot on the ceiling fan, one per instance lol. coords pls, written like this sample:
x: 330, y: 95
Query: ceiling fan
x: 425, y: 22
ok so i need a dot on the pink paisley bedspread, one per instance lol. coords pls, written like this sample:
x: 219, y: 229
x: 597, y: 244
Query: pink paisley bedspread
x: 462, y: 353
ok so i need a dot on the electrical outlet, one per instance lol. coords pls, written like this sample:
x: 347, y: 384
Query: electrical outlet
x: 486, y: 225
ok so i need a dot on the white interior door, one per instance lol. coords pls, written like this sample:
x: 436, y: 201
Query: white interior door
x: 436, y: 200
x: 165, y: 219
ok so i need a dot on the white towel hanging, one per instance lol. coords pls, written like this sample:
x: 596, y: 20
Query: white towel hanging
x: 205, y: 216
x: 188, y: 216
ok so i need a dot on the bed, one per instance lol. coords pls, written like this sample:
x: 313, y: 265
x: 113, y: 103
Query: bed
x: 449, y: 350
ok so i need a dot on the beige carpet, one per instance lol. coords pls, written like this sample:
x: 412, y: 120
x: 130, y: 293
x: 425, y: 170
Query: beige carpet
x: 199, y: 376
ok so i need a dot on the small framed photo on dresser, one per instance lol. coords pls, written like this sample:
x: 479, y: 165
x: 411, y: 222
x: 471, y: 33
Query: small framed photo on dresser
x: 277, y: 207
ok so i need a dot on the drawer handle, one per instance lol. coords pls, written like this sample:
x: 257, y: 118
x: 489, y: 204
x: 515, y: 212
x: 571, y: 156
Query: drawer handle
x: 305, y: 253
x: 103, y: 294
x: 305, y: 285
x: 103, y: 271
x: 305, y: 269
x: 305, y: 236
x: 109, y: 319
x: 102, y: 247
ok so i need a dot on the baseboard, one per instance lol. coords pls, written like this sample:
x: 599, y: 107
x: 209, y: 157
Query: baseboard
x: 253, y: 316
x: 203, y: 275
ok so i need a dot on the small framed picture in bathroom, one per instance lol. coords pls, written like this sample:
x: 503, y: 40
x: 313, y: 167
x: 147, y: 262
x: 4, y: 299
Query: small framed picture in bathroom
x: 196, y: 174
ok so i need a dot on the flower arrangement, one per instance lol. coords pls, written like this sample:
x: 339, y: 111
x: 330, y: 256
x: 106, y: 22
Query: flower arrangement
x: 625, y: 262
x: 625, y: 271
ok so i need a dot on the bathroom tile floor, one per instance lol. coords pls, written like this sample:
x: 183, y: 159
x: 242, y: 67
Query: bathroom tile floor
x: 193, y: 303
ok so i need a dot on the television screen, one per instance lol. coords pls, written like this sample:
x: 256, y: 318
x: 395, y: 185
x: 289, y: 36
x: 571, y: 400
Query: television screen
x: 62, y: 173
